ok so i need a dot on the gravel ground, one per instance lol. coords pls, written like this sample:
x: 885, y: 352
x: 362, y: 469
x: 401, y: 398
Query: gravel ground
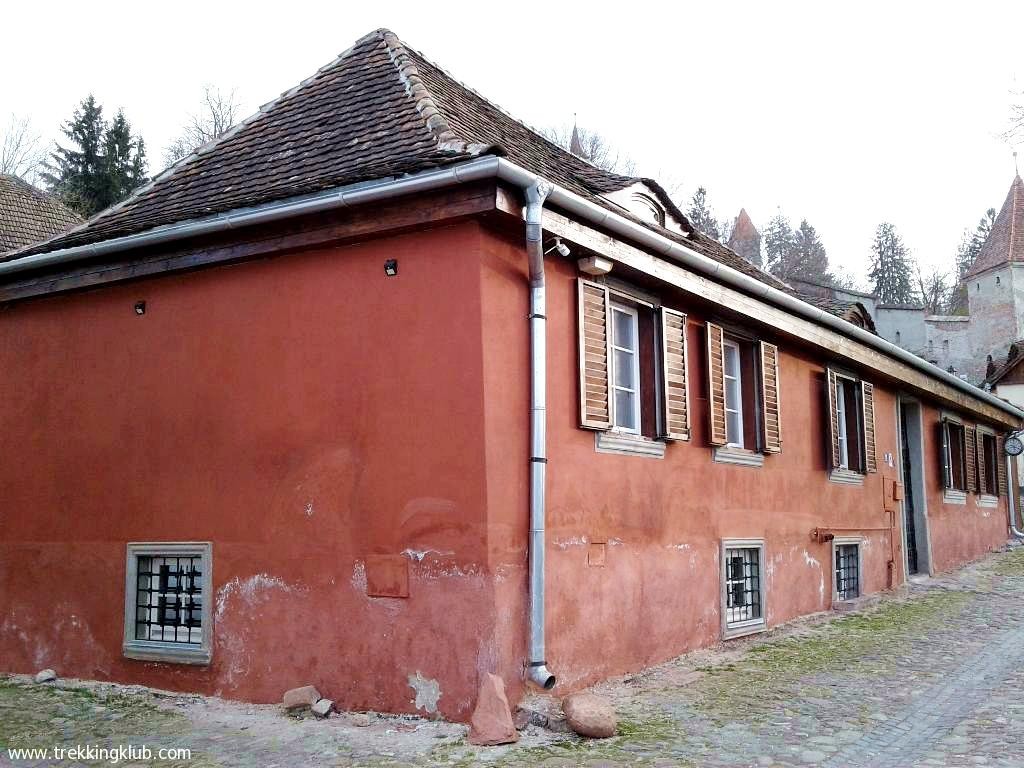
x: 930, y: 676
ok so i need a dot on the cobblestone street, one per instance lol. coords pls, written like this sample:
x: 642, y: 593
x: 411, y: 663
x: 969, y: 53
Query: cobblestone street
x: 933, y: 676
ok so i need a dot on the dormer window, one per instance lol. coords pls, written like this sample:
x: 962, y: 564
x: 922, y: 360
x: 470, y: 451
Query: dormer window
x: 647, y: 208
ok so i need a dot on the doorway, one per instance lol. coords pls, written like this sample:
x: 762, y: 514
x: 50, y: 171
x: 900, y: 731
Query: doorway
x: 917, y: 552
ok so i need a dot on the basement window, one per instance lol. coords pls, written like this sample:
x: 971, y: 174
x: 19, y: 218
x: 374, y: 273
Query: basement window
x: 167, y: 602
x: 846, y: 555
x: 742, y: 587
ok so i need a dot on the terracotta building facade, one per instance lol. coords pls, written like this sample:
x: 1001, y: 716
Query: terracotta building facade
x: 299, y: 448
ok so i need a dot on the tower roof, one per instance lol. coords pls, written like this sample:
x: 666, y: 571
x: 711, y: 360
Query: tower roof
x: 1005, y: 243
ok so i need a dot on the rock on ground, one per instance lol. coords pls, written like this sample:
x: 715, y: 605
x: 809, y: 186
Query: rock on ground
x: 45, y: 676
x: 300, y: 698
x: 323, y: 707
x: 590, y: 715
x: 492, y: 719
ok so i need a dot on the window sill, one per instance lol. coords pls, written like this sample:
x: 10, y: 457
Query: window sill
x: 846, y: 477
x: 731, y: 633
x: 628, y: 445
x: 730, y: 455
x: 984, y: 500
x: 953, y: 496
x: 142, y: 650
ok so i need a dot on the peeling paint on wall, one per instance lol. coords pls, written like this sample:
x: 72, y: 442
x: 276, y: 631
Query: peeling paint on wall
x: 418, y: 554
x: 250, y: 590
x: 359, y: 576
x: 574, y: 541
x: 427, y: 692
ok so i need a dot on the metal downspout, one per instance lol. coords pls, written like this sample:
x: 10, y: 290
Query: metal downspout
x: 1011, y: 497
x: 536, y: 194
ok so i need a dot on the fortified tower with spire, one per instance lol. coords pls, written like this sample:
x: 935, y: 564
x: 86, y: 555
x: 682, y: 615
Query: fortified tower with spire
x: 745, y: 239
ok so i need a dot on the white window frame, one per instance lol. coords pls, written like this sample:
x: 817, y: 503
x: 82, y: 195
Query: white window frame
x: 954, y: 495
x: 613, y: 366
x: 730, y: 344
x: 845, y: 541
x: 842, y: 435
x: 748, y: 626
x: 156, y: 650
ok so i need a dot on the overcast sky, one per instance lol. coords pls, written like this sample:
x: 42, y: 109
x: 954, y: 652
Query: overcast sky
x: 847, y: 116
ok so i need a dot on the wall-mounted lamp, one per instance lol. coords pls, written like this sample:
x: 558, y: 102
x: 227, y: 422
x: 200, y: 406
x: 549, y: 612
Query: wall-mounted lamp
x: 140, y: 307
x: 391, y: 267
x: 594, y: 265
x: 562, y: 248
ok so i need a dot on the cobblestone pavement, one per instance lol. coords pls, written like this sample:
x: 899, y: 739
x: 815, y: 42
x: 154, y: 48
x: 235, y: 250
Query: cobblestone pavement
x: 933, y: 676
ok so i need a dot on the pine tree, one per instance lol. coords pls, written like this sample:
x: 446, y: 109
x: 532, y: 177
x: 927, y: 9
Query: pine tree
x: 104, y: 164
x: 700, y: 215
x: 776, y: 243
x: 970, y: 246
x: 891, y: 272
x: 806, y: 257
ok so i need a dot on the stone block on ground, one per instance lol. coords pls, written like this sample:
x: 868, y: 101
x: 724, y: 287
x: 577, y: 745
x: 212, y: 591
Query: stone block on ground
x: 45, y: 676
x: 323, y: 708
x: 590, y: 715
x: 300, y: 698
x: 492, y: 722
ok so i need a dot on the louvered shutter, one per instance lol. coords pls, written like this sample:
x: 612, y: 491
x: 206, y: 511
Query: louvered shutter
x: 942, y: 440
x: 982, y: 467
x: 594, y: 313
x: 1001, y: 487
x: 868, y: 402
x: 770, y: 409
x: 971, y: 446
x: 675, y: 417
x: 833, y: 417
x: 717, y: 434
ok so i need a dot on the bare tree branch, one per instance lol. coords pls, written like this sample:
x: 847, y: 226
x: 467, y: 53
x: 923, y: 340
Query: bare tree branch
x: 22, y: 151
x: 594, y: 148
x: 217, y: 114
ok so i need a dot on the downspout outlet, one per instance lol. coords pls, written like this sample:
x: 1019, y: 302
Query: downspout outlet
x: 541, y: 676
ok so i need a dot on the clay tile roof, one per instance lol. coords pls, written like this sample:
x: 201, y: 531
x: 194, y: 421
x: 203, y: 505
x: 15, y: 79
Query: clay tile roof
x: 1005, y: 243
x: 379, y: 109
x: 28, y: 215
x: 852, y: 311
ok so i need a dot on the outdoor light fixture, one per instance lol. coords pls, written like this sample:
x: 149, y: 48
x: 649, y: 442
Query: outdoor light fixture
x: 594, y: 265
x: 391, y: 267
x: 562, y: 248
x: 140, y: 307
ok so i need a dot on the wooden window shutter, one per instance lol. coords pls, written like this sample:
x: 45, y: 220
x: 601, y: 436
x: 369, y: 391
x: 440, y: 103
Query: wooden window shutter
x: 1001, y: 487
x: 971, y: 440
x: 868, y: 401
x: 833, y: 417
x: 716, y: 385
x: 594, y: 341
x: 675, y: 386
x: 979, y: 452
x: 943, y: 443
x: 770, y: 408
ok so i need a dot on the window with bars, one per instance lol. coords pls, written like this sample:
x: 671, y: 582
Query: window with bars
x: 743, y: 582
x: 847, y: 572
x: 167, y: 607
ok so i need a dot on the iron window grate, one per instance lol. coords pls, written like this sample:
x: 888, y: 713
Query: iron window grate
x: 742, y: 585
x: 847, y: 571
x: 169, y: 599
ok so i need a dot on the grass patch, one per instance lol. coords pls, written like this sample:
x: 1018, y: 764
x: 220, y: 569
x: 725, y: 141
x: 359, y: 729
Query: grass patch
x: 770, y: 672
x: 1011, y: 564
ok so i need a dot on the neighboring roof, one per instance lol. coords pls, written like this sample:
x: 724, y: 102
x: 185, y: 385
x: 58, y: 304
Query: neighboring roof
x: 1014, y: 356
x: 852, y: 311
x: 28, y: 215
x: 1005, y: 242
x: 380, y: 109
